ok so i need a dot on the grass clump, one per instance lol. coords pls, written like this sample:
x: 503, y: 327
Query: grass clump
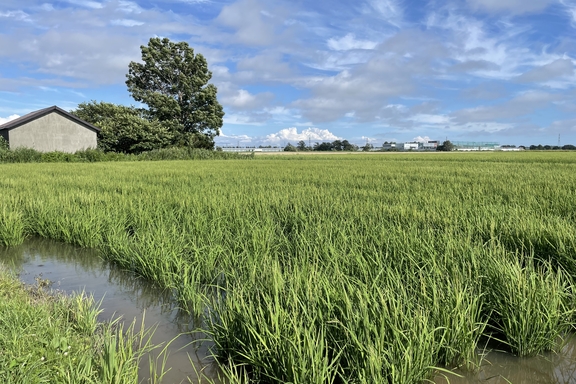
x: 531, y: 303
x: 28, y: 155
x: 12, y: 226
x: 46, y: 338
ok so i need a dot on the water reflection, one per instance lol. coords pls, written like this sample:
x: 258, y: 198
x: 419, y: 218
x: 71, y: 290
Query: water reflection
x: 74, y: 269
x: 503, y: 368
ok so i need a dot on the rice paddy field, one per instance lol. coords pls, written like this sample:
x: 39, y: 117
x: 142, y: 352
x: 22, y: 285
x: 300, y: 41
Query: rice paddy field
x: 330, y: 269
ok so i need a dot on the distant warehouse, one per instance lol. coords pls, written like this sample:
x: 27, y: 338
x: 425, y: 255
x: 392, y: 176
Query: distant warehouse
x: 50, y: 129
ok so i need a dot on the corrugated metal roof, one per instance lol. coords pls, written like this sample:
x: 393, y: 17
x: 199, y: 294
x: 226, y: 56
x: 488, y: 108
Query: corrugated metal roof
x: 43, y: 112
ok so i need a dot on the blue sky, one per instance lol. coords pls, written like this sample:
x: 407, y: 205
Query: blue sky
x: 365, y: 70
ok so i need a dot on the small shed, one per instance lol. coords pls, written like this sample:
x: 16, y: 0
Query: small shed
x: 50, y: 129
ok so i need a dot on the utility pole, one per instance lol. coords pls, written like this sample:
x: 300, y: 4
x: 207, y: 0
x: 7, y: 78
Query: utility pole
x: 558, y: 140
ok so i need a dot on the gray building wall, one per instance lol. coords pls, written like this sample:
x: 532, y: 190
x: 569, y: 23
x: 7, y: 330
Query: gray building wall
x: 52, y: 132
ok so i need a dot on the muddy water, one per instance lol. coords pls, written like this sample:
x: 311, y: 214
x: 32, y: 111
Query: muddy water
x: 73, y: 269
x: 503, y: 368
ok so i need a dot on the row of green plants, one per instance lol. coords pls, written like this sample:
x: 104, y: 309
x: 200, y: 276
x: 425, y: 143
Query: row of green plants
x: 28, y: 155
x: 46, y: 337
x: 330, y: 270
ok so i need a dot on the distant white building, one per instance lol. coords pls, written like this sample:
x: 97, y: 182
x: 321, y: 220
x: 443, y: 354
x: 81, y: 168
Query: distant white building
x: 507, y: 148
x: 475, y: 145
x: 430, y: 145
x: 388, y: 146
x: 411, y: 145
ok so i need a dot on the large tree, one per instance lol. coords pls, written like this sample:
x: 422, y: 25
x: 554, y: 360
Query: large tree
x: 173, y: 82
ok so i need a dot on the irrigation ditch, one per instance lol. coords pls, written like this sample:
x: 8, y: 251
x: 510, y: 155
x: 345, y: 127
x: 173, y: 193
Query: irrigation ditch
x: 71, y: 269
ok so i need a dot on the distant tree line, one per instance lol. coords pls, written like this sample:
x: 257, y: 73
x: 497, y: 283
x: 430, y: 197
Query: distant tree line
x: 446, y: 146
x: 540, y: 147
x: 336, y: 145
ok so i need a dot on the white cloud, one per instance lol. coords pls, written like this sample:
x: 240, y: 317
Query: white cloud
x: 369, y: 139
x: 486, y: 126
x: 47, y: 7
x: 87, y: 3
x: 552, y: 70
x: 292, y: 135
x: 564, y: 126
x: 242, y: 99
x: 349, y: 42
x: 232, y: 138
x: 4, y: 120
x: 17, y: 15
x: 512, y: 6
x: 251, y: 26
x: 420, y: 139
x: 424, y: 118
x: 523, y: 104
x: 571, y: 10
x: 388, y: 10
x: 126, y: 22
x: 49, y: 89
x: 129, y: 7
x: 393, y: 70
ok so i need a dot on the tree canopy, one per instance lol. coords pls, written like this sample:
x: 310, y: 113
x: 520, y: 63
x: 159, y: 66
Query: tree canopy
x: 446, y: 146
x: 336, y: 145
x: 125, y: 129
x: 173, y: 82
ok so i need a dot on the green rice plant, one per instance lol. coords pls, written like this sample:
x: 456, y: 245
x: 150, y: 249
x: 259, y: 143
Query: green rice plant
x: 84, y: 313
x: 12, y: 227
x: 530, y: 303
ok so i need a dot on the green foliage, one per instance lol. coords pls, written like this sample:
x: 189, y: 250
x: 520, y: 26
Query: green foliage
x: 12, y: 226
x: 446, y: 146
x: 540, y: 147
x: 58, y: 339
x: 337, y: 145
x: 20, y: 155
x: 173, y: 82
x: 4, y: 146
x: 367, y: 148
x: 290, y: 148
x: 58, y: 157
x: 125, y: 129
x: 25, y: 155
x: 301, y: 146
x: 531, y: 303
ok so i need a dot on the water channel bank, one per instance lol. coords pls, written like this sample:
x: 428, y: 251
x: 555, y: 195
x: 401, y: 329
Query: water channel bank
x: 72, y: 269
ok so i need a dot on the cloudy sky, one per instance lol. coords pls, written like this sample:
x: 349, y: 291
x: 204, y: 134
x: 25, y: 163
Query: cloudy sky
x: 365, y: 70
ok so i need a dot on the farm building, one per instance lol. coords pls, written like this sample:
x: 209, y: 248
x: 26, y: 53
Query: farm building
x: 50, y: 129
